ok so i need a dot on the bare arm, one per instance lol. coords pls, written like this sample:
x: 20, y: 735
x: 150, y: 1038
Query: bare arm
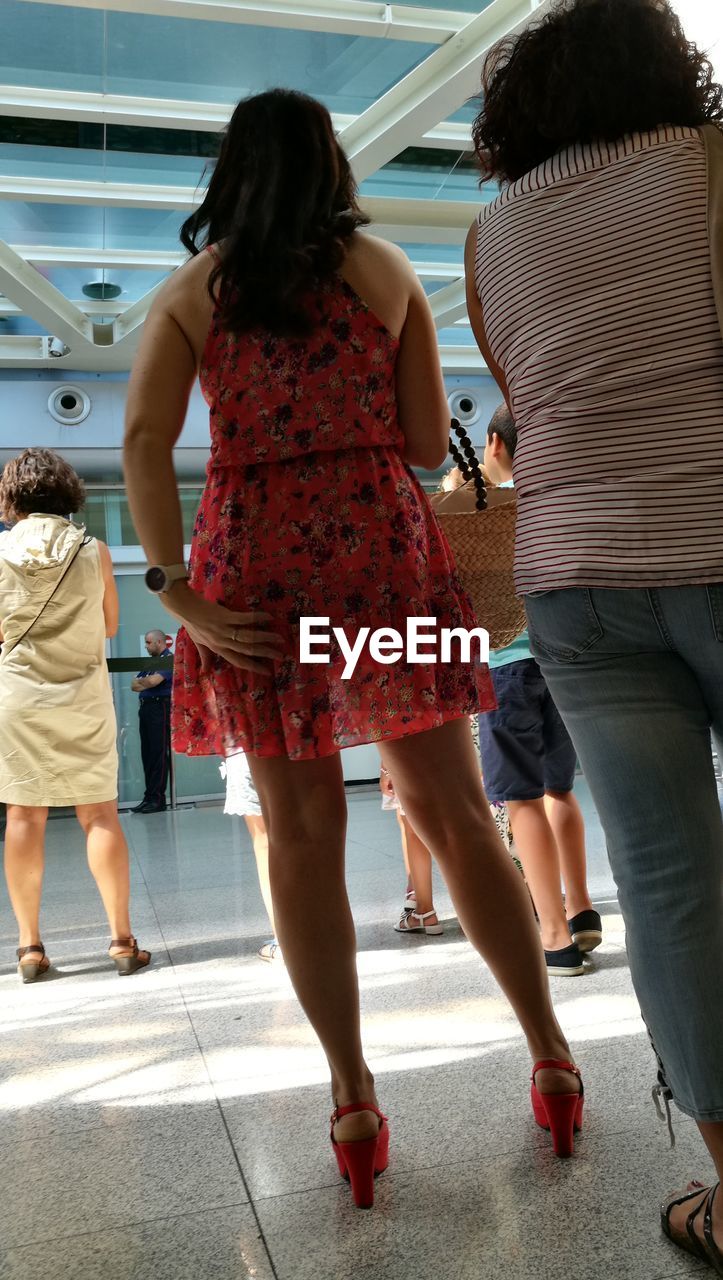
x: 474, y: 310
x: 160, y: 385
x: 111, y: 605
x: 421, y: 397
x: 163, y: 375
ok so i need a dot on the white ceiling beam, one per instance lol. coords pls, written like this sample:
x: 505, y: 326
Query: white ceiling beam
x: 434, y: 89
x: 462, y: 360
x: 129, y: 195
x: 23, y: 352
x: 417, y: 221
x: 40, y: 300
x: 170, y: 113
x: 159, y: 260
x: 346, y: 17
x: 128, y: 327
x: 449, y: 304
x: 101, y: 259
x: 112, y: 307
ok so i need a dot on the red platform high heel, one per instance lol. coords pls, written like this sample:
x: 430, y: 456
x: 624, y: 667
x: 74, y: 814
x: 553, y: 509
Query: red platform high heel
x: 361, y: 1162
x: 561, y: 1113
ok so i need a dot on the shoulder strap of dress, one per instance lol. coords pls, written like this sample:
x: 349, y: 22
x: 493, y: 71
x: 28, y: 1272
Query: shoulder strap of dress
x: 713, y: 139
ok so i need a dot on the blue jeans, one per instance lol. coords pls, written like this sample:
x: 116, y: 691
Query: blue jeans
x: 637, y: 676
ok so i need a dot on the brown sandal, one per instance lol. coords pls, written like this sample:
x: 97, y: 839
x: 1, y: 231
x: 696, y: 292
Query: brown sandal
x: 129, y: 964
x: 34, y: 969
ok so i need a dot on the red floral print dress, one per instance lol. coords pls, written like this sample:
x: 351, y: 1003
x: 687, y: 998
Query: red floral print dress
x: 310, y: 510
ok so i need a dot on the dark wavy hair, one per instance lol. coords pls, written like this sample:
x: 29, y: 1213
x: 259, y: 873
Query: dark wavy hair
x: 591, y: 69
x: 39, y: 480
x: 282, y: 206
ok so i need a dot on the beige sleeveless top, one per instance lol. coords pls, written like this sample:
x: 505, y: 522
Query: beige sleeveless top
x: 57, y: 724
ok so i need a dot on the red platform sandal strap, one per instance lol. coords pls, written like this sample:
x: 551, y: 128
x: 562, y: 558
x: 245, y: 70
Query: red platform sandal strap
x: 558, y: 1064
x: 351, y: 1107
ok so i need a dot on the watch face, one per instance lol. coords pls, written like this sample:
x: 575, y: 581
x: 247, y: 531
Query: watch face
x: 155, y: 578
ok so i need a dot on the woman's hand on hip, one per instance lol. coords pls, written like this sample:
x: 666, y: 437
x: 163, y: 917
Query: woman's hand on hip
x: 239, y: 638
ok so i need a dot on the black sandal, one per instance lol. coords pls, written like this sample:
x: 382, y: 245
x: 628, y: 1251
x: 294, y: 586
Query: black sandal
x: 132, y: 963
x: 33, y: 970
x: 705, y: 1252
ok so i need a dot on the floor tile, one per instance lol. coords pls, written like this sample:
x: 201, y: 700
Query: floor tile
x: 222, y: 1243
x: 98, y: 1063
x: 521, y: 1215
x: 110, y: 1176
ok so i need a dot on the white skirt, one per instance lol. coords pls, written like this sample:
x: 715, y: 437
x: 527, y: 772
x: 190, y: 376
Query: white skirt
x: 241, y: 795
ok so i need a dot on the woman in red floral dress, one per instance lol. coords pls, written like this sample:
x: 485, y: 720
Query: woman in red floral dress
x: 316, y: 351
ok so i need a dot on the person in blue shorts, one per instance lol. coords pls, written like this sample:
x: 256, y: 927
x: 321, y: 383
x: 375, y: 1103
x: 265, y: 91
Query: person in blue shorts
x: 528, y: 762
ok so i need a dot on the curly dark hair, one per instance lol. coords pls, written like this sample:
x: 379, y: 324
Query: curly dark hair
x: 39, y: 480
x: 593, y: 69
x: 282, y: 205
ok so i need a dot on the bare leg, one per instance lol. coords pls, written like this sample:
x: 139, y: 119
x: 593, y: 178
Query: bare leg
x: 260, y: 841
x: 405, y: 853
x: 24, y: 865
x: 436, y: 776
x: 565, y: 817
x: 537, y: 851
x: 108, y: 861
x: 304, y: 809
x: 419, y: 864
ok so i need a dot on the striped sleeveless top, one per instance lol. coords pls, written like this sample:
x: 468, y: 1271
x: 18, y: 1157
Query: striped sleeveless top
x: 593, y: 272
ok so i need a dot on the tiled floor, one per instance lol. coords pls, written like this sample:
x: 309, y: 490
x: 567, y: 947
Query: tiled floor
x: 173, y: 1125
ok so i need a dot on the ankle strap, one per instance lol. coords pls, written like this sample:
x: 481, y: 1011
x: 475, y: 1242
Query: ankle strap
x: 36, y: 946
x: 558, y: 1064
x: 351, y: 1107
x: 123, y: 942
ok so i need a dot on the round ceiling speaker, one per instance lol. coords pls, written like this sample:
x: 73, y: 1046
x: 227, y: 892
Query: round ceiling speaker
x: 69, y: 405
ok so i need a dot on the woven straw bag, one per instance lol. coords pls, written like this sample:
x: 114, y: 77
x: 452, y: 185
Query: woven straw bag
x: 479, y: 525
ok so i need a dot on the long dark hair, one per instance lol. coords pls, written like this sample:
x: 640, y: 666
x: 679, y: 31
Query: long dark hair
x: 282, y: 205
x: 594, y: 69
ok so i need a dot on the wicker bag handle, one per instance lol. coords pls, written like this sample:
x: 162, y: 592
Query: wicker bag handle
x: 468, y: 462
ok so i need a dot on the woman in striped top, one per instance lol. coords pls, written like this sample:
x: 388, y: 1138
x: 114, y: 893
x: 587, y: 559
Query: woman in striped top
x: 591, y: 294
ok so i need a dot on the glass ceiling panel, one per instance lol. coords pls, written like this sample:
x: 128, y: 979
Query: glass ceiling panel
x: 466, y: 113
x: 54, y: 225
x: 133, y: 284
x: 14, y: 326
x: 56, y: 48
x: 88, y: 165
x: 427, y: 174
x: 77, y: 226
x: 150, y: 56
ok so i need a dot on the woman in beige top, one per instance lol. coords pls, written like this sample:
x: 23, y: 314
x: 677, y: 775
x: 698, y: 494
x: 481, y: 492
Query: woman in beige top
x: 58, y: 602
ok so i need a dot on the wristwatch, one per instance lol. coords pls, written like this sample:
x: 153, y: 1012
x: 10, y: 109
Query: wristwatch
x: 159, y: 577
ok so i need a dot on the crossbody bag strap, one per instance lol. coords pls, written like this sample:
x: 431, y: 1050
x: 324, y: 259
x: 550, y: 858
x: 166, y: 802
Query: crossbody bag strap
x: 713, y: 139
x: 9, y: 649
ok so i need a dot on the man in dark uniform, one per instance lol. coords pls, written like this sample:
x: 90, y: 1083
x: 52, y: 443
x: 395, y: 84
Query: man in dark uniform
x: 154, y: 712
